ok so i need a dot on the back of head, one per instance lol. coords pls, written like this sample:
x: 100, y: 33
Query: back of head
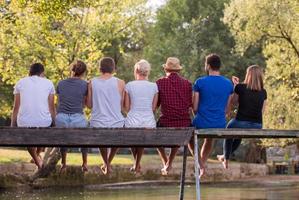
x: 36, y: 69
x: 107, y: 65
x: 213, y: 61
x: 142, y: 68
x: 78, y: 68
x: 254, y: 78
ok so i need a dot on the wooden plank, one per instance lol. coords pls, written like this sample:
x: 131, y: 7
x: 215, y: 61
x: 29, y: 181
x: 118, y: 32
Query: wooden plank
x: 246, y: 133
x: 94, y: 137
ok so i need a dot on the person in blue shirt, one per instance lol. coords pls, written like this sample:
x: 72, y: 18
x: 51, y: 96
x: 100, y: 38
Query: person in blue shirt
x: 211, y: 97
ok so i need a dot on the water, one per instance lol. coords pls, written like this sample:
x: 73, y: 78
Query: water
x: 209, y: 192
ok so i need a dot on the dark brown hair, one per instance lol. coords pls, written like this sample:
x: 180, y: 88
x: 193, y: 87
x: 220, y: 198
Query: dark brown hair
x: 213, y: 60
x: 36, y: 69
x: 78, y: 67
x: 107, y: 65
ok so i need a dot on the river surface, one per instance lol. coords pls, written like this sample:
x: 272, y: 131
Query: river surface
x: 209, y: 192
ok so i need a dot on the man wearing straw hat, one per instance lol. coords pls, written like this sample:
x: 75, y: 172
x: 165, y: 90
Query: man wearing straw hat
x: 175, y: 101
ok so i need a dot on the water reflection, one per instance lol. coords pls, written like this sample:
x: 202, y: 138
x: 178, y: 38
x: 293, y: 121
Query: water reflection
x: 158, y: 193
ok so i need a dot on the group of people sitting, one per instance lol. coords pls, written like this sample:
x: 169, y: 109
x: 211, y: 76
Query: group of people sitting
x: 211, y: 98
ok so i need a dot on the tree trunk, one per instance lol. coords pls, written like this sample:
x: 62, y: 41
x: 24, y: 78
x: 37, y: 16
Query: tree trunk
x: 51, y: 158
x: 255, y: 152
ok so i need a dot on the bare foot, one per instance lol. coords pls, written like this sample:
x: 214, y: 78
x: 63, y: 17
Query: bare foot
x: 62, y: 169
x: 135, y: 169
x: 220, y: 158
x: 84, y: 168
x: 165, y: 170
x: 225, y: 164
x: 202, y: 172
x: 104, y: 169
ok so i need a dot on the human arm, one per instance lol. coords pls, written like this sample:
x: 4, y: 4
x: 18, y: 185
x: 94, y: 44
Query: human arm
x: 52, y: 107
x: 121, y: 88
x: 235, y: 80
x: 264, y: 106
x: 127, y: 102
x: 88, y: 99
x: 155, y: 102
x: 15, y: 110
x: 195, y: 101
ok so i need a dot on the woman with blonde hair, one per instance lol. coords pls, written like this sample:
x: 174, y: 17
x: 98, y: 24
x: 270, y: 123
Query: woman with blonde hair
x: 251, y: 98
x: 141, y: 97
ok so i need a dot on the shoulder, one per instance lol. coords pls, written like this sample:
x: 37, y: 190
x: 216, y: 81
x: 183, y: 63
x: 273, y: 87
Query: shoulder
x: 47, y: 81
x: 241, y: 85
x: 22, y: 80
x: 185, y: 80
x: 161, y: 79
x: 130, y: 83
x: 226, y: 80
x: 201, y: 79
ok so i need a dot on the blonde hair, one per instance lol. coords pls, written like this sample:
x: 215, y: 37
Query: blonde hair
x: 254, y: 78
x: 142, y: 68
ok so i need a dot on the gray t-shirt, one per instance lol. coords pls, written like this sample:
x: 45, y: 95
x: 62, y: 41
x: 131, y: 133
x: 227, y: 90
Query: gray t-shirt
x: 71, y: 93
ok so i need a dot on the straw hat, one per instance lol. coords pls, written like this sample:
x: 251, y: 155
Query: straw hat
x: 172, y: 63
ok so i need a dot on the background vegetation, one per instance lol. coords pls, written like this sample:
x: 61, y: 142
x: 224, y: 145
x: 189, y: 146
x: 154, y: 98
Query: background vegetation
x: 242, y: 32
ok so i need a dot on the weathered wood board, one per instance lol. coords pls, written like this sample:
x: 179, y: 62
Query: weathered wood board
x: 246, y: 133
x: 95, y: 137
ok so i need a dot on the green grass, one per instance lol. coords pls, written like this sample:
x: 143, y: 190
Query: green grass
x: 10, y: 155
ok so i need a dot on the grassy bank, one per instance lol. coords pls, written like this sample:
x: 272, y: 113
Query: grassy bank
x: 11, y: 155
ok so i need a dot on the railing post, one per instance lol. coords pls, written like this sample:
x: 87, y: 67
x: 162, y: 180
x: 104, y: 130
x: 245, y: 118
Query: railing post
x: 196, y: 167
x: 183, y: 174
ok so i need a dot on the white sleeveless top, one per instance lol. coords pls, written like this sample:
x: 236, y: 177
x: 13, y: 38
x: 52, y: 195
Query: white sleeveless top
x: 106, y: 104
x: 141, y: 94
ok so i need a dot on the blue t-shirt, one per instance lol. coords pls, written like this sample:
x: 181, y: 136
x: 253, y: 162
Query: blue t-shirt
x: 214, y: 92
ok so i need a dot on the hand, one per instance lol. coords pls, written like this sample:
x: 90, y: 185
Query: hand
x: 235, y: 80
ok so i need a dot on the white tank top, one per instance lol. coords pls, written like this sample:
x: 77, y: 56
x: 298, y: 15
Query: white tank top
x: 106, y: 104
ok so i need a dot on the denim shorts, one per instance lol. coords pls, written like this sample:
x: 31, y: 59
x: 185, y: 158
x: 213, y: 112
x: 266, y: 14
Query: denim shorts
x: 76, y: 120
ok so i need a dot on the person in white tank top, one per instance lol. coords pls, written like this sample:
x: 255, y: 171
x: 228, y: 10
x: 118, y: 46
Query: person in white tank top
x: 141, y: 97
x: 105, y: 99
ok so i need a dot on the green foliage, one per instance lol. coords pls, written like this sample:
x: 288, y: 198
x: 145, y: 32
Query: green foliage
x: 191, y: 29
x: 275, y: 25
x: 58, y: 32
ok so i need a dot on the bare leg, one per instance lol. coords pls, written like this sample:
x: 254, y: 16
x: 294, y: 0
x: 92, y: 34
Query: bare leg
x: 106, y: 164
x: 134, y: 153
x: 37, y: 160
x: 206, y: 149
x: 139, y: 153
x: 63, y: 161
x: 84, y: 164
x: 163, y: 155
x: 169, y: 162
x: 39, y: 150
x: 113, y: 152
x: 201, y: 165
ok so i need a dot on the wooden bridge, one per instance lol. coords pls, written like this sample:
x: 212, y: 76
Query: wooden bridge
x: 131, y: 137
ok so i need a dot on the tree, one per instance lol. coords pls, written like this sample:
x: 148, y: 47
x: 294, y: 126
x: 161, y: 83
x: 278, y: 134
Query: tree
x: 191, y: 29
x: 275, y: 25
x: 58, y: 32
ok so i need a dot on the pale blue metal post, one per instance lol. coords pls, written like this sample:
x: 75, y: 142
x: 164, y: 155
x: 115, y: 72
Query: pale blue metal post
x: 196, y: 166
